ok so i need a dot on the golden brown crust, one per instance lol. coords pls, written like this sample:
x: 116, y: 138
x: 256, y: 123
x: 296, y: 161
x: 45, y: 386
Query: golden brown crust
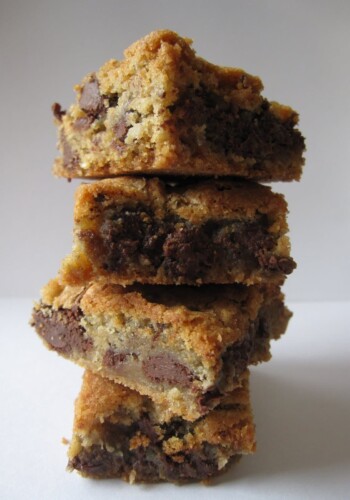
x: 100, y: 398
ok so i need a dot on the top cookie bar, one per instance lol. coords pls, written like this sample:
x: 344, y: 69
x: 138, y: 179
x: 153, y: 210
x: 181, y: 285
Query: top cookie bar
x: 163, y: 110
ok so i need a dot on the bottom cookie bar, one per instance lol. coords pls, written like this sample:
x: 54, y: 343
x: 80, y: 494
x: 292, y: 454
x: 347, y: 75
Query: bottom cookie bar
x: 120, y: 434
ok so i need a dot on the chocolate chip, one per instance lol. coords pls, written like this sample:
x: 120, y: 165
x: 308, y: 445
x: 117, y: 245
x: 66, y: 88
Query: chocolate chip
x: 164, y: 368
x: 258, y: 134
x: 83, y: 123
x: 91, y: 100
x: 62, y: 330
x: 96, y: 461
x: 57, y: 110
x: 121, y: 129
x: 123, y: 233
x: 149, y: 463
x: 70, y: 157
x: 188, y: 252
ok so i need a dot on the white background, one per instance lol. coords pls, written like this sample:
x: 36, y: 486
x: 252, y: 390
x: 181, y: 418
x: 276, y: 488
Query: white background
x: 300, y: 49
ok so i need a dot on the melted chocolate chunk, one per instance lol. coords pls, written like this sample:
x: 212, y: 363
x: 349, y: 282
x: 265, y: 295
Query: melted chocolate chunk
x: 245, y: 240
x: 121, y: 241
x: 97, y: 461
x: 188, y: 252
x: 164, y: 368
x: 182, y: 250
x: 259, y: 134
x: 149, y: 463
x: 91, y: 100
x: 128, y: 233
x: 62, y: 330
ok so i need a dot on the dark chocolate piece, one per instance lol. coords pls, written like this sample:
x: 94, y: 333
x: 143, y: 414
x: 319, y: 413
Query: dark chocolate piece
x: 250, y: 134
x: 164, y: 368
x: 149, y: 464
x: 91, y: 100
x: 184, y: 250
x: 61, y: 329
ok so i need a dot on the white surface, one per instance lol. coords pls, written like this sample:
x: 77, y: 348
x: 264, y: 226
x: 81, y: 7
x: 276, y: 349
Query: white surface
x: 301, y: 403
x: 301, y: 51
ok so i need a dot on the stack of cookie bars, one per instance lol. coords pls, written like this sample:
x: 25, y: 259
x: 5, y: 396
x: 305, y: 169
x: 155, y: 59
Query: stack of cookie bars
x: 172, y: 288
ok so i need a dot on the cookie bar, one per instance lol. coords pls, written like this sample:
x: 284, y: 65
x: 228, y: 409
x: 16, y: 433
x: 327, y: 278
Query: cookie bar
x: 182, y: 346
x: 162, y: 110
x: 146, y: 230
x: 119, y: 433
